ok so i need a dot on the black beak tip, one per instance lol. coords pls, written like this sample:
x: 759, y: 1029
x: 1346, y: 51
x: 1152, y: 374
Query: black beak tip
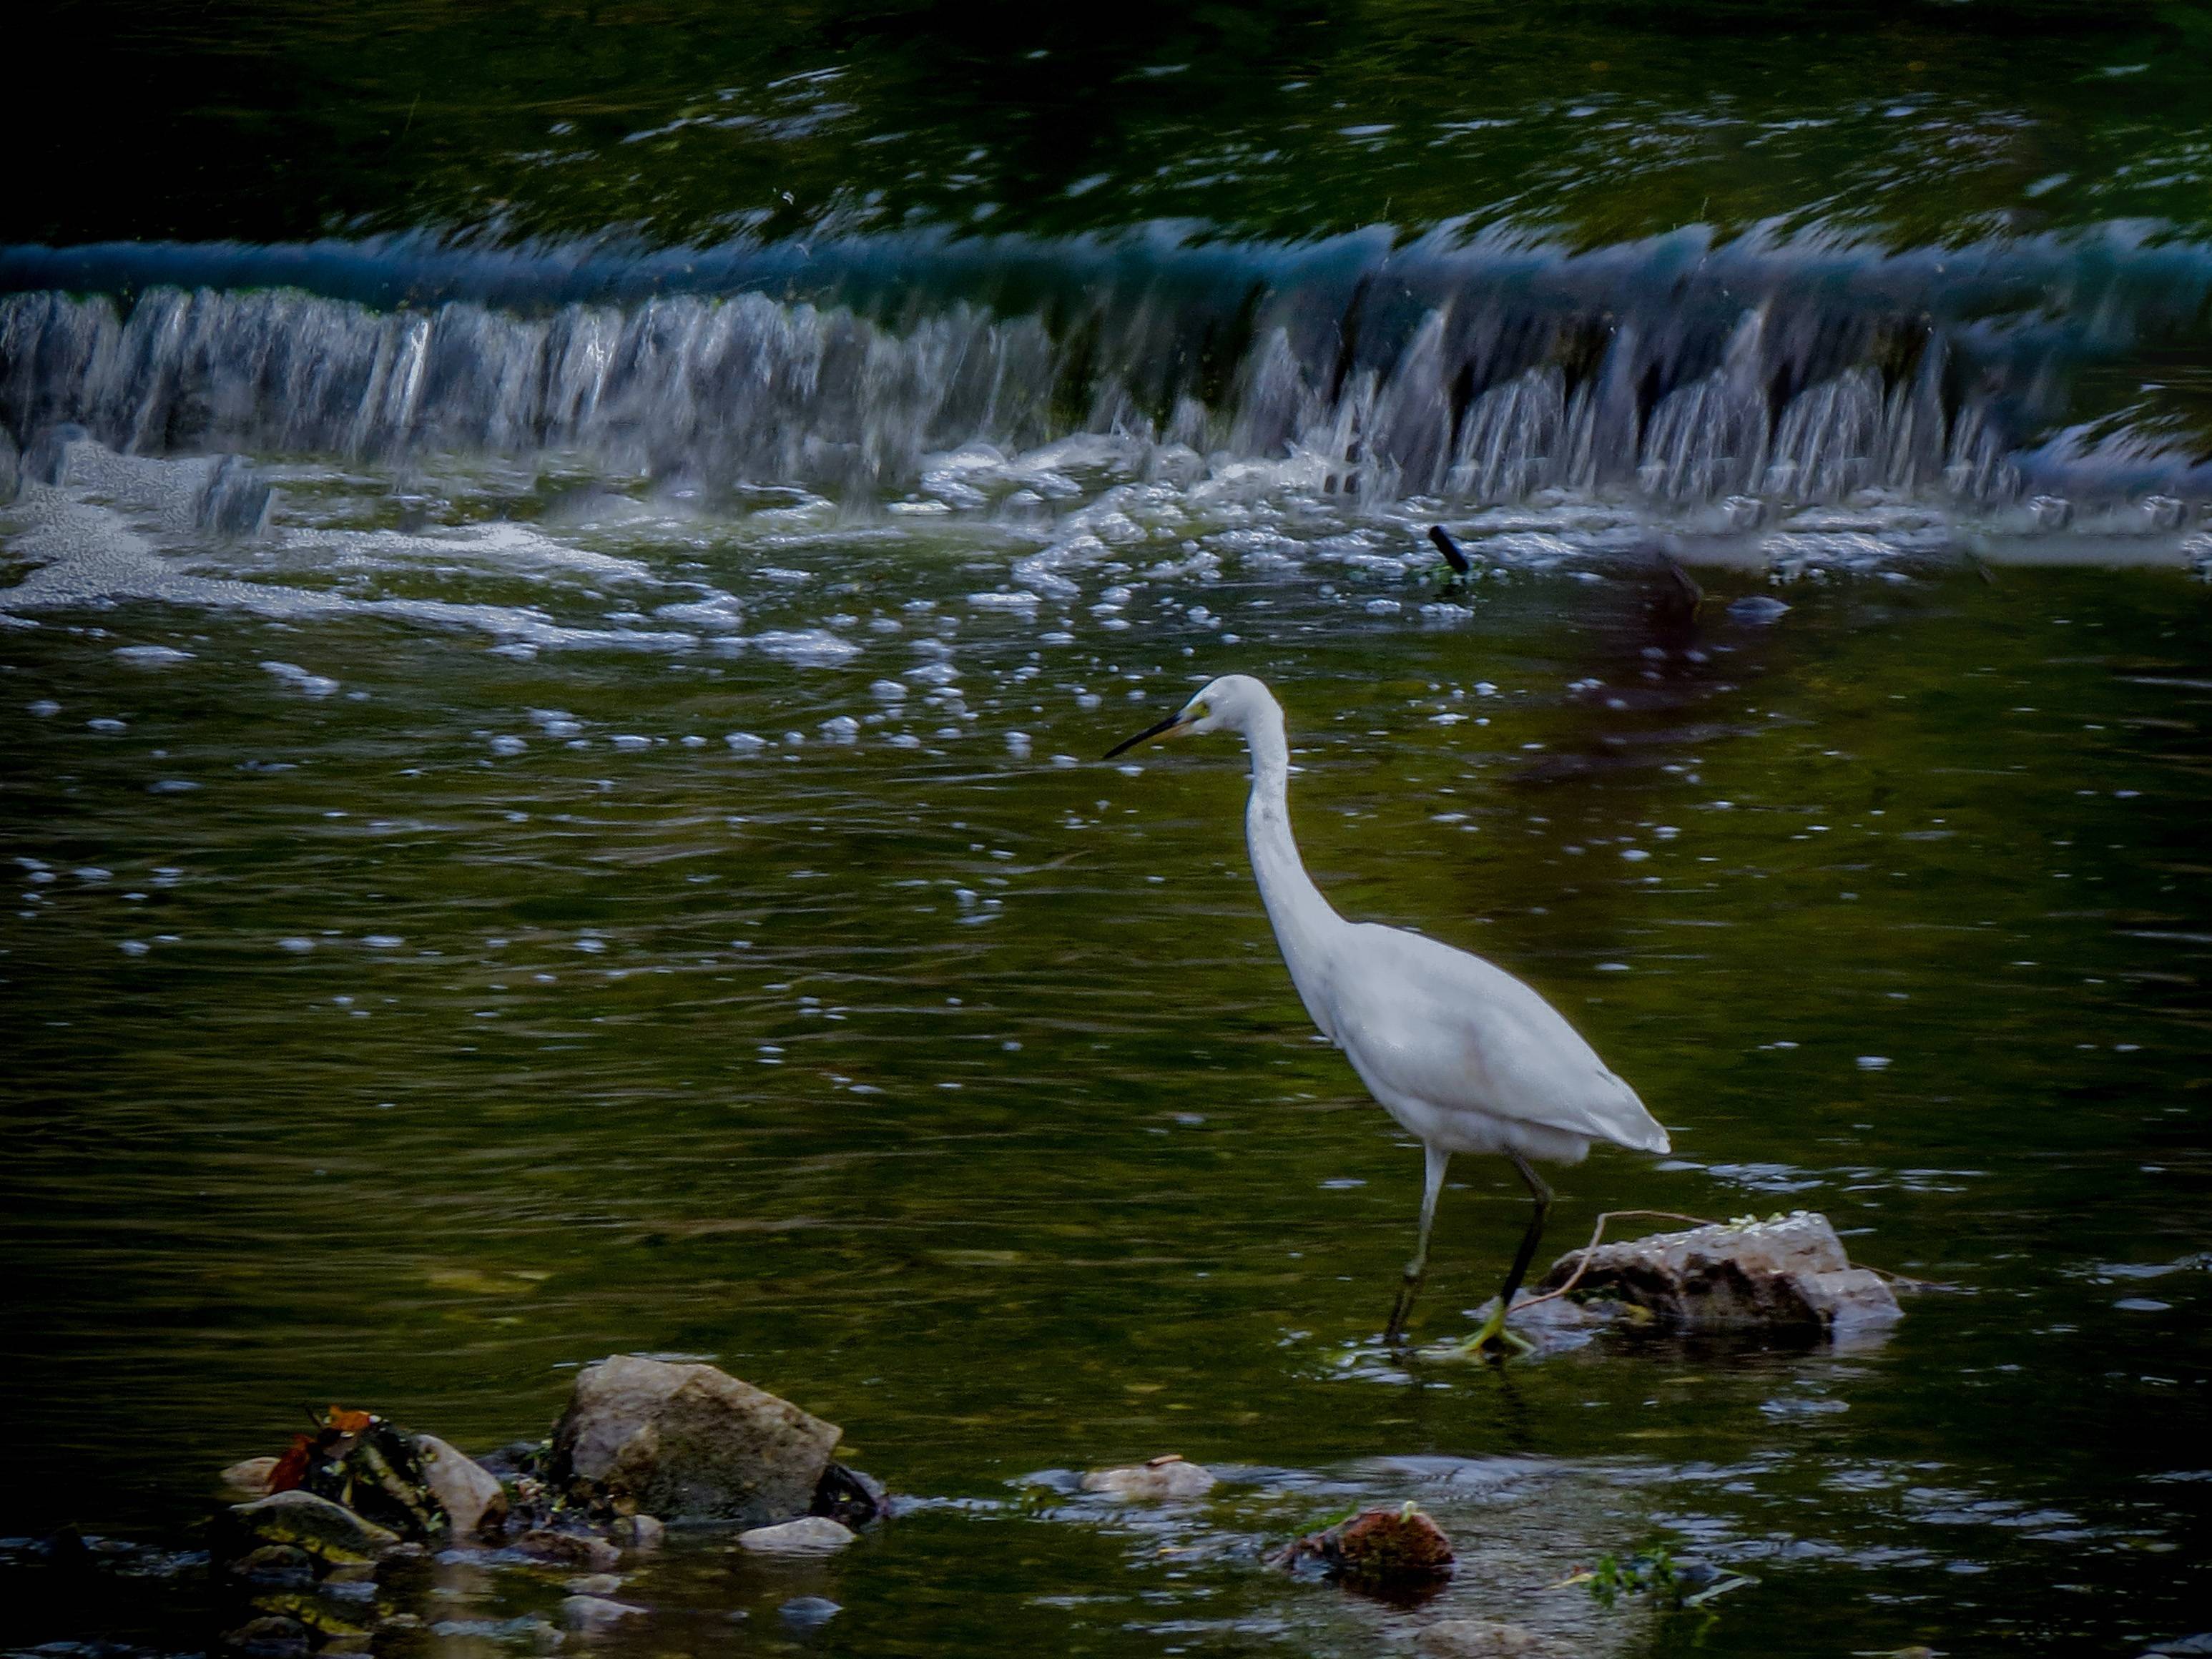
x: 1136, y: 737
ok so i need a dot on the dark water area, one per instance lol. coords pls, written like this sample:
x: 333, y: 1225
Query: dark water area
x: 562, y: 574
x: 1604, y: 122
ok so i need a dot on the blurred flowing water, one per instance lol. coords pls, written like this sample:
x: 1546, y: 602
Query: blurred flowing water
x: 551, y: 652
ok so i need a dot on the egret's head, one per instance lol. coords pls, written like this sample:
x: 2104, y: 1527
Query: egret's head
x: 1228, y: 704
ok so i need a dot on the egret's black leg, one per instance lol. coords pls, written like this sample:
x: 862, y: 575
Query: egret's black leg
x: 1494, y: 1327
x: 1432, y: 1183
x: 1541, y: 1194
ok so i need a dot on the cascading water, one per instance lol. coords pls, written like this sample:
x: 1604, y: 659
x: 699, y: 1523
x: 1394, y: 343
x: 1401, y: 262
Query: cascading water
x: 1673, y: 374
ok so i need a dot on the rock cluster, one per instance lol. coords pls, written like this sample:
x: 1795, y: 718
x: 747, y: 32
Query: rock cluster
x: 331, y: 1523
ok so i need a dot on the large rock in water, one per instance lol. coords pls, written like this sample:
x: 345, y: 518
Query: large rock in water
x: 471, y: 1495
x: 330, y: 1532
x: 647, y: 1437
x: 1791, y: 1271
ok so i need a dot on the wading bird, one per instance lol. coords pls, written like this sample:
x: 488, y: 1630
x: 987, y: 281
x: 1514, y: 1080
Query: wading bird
x: 1462, y: 1054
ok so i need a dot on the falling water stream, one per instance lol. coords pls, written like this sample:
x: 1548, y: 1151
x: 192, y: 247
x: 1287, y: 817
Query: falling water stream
x: 557, y: 612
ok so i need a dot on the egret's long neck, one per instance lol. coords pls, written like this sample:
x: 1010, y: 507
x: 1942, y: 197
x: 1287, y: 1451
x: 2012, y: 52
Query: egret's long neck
x: 1303, y: 918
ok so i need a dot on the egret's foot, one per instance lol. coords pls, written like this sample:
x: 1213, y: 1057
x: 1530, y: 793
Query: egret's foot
x: 1493, y: 1339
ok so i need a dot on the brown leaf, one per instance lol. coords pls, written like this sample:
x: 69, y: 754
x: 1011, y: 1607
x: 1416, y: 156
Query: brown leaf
x: 292, y: 1468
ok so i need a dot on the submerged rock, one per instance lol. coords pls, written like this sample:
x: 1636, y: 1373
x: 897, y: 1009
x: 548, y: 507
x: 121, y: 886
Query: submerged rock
x: 653, y: 1438
x: 1790, y: 1272
x: 282, y: 1565
x: 568, y: 1549
x: 638, y: 1531
x: 329, y: 1532
x: 806, y: 1612
x: 470, y: 1494
x: 1482, y: 1638
x: 272, y: 1635
x: 1162, y: 1477
x: 1376, y: 1548
x: 596, y: 1611
x: 810, y: 1535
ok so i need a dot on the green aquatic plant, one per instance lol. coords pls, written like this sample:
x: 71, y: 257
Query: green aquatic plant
x: 1671, y: 1582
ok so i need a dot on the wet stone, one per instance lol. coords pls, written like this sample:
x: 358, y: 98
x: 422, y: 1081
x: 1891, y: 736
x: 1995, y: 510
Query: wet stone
x: 638, y: 1531
x: 1790, y: 1272
x: 806, y: 1612
x: 1378, y: 1547
x: 595, y: 1583
x: 849, y: 1496
x: 272, y: 1635
x: 1167, y: 1477
x: 595, y: 1612
x: 568, y: 1549
x: 649, y: 1437
x: 471, y: 1495
x: 275, y: 1566
x: 250, y: 1476
x: 329, y: 1532
x: 810, y: 1535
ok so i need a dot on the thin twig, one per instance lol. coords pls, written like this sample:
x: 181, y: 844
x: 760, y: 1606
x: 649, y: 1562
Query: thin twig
x: 1582, y: 1265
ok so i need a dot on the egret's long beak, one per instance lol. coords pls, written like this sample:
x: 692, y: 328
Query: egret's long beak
x: 1177, y: 722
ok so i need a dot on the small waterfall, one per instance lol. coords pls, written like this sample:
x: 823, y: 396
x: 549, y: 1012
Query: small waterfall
x: 1469, y: 376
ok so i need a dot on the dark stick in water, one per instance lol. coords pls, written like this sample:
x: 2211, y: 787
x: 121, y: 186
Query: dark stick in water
x: 1450, y: 550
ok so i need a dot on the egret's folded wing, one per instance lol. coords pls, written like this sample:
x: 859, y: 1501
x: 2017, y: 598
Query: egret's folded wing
x: 1450, y: 1029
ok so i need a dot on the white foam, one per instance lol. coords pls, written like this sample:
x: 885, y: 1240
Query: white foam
x: 307, y: 684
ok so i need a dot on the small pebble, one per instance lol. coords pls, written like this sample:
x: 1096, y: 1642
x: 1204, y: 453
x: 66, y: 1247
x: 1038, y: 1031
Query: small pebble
x: 808, y: 1611
x: 810, y: 1535
x: 594, y: 1612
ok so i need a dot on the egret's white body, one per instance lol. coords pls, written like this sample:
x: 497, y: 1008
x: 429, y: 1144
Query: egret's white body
x: 1465, y: 1057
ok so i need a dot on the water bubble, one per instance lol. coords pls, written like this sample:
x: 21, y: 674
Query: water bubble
x: 744, y: 743
x: 508, y: 745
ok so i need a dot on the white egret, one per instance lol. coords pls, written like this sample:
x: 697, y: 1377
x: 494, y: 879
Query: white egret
x: 1465, y: 1057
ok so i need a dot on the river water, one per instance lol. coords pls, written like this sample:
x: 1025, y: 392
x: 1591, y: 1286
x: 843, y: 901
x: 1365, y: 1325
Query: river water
x: 561, y: 590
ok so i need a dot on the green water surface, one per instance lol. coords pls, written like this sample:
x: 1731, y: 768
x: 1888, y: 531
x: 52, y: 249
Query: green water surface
x: 960, y: 1095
